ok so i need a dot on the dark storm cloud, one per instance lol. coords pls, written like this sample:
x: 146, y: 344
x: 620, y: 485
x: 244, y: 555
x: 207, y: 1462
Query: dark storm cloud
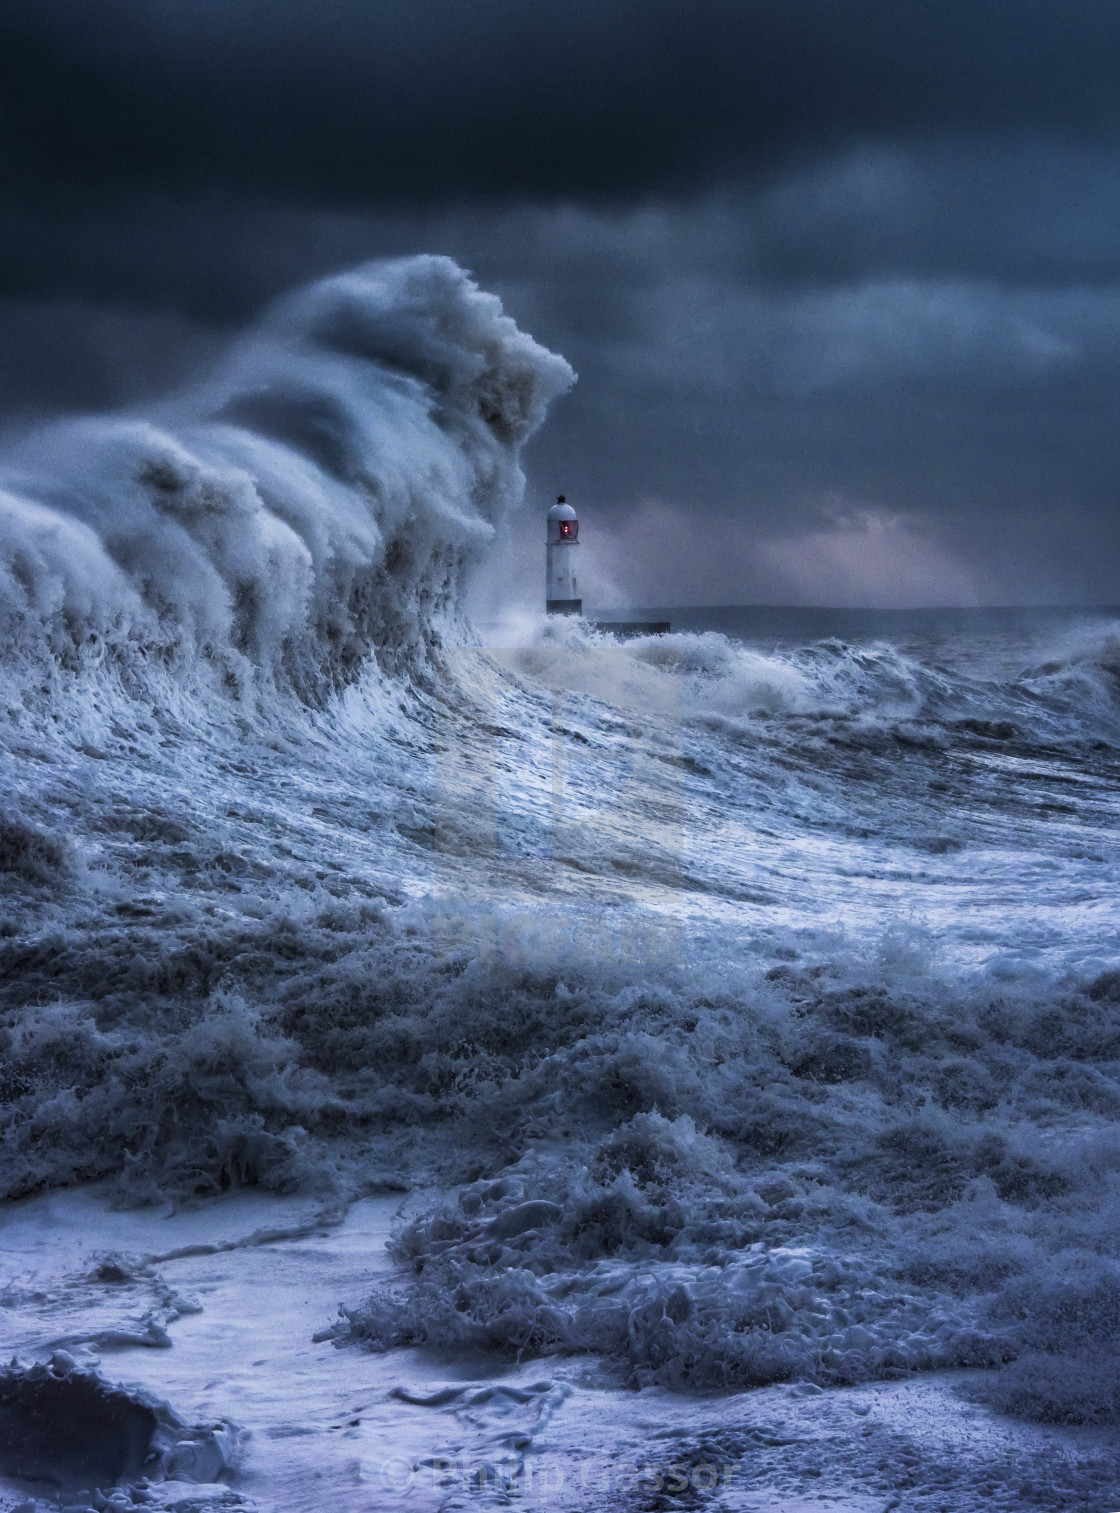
x: 175, y: 154
x: 403, y: 102
x: 1028, y: 213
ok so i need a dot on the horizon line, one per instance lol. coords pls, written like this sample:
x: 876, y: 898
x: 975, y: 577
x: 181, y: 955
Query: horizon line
x: 884, y: 609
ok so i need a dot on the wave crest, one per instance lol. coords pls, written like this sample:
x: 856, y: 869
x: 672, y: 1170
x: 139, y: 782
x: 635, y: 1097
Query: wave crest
x: 317, y: 500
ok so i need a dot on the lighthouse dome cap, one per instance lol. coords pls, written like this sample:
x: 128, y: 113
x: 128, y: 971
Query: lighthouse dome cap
x: 561, y: 512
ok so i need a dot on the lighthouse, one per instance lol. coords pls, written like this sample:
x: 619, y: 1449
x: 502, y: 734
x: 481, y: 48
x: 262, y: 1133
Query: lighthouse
x: 562, y: 566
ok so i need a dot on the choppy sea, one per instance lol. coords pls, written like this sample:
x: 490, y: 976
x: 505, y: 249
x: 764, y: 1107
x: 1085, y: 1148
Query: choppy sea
x: 453, y: 1066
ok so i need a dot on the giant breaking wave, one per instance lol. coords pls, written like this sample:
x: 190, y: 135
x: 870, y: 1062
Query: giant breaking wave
x: 316, y: 502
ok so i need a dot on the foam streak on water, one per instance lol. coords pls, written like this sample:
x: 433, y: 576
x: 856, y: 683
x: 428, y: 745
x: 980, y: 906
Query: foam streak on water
x: 738, y: 1009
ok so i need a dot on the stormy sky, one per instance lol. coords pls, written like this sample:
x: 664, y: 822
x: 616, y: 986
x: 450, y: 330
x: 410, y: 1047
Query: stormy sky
x: 841, y: 278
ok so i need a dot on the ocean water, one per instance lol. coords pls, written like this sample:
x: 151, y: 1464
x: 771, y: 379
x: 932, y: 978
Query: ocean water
x: 450, y: 1066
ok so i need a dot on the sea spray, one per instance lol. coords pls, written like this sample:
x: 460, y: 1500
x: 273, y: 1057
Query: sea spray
x: 313, y: 503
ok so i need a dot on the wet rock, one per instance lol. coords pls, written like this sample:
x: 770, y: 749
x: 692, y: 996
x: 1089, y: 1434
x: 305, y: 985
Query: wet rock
x: 73, y: 1431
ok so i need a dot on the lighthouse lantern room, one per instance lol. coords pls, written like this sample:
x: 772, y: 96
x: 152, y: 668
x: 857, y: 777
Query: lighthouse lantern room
x: 562, y: 568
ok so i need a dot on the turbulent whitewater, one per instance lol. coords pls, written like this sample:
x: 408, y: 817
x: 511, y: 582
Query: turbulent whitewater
x: 737, y: 1009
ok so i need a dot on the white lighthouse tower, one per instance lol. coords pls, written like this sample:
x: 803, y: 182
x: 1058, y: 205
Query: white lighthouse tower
x: 562, y: 569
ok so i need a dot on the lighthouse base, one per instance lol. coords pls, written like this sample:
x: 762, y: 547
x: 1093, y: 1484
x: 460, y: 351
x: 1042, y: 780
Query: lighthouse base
x: 563, y: 606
